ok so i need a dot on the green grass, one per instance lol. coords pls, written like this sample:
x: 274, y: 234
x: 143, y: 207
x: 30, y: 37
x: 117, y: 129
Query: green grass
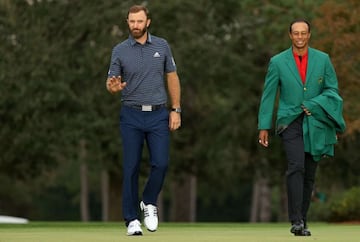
x: 174, y: 232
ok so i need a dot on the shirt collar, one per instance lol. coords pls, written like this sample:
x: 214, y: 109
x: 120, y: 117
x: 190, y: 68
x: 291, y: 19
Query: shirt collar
x: 133, y: 41
x: 304, y: 55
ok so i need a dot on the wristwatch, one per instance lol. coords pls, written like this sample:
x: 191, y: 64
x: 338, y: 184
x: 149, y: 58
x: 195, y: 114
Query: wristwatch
x: 177, y: 110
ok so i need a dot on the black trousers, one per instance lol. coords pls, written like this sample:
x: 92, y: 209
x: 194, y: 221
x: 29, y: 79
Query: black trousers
x: 300, y: 174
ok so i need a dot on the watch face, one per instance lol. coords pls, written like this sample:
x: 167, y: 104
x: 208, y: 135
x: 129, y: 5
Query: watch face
x: 178, y: 110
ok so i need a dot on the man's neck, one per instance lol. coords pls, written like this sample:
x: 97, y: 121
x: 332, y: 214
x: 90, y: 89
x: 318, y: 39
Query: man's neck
x: 142, y: 39
x: 300, y: 51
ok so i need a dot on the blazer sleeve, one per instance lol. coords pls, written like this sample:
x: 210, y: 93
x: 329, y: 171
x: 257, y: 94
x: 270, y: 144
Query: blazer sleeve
x: 331, y: 81
x: 266, y: 109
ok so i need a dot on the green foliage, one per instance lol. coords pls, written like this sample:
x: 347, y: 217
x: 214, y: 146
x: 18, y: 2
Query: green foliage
x: 346, y: 207
x: 55, y: 56
x: 52, y: 81
x: 319, y: 211
x: 341, y: 42
x: 338, y: 207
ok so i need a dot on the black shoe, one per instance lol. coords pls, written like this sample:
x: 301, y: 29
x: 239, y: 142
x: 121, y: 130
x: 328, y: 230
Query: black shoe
x: 306, y: 229
x: 297, y: 228
x: 306, y: 232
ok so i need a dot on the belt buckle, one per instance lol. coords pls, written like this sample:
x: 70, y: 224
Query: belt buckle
x: 146, y: 108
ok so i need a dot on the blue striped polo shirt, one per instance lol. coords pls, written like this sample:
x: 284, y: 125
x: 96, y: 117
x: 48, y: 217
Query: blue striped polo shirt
x: 143, y: 68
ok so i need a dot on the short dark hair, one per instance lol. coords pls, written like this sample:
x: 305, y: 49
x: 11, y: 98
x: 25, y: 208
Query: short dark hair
x: 138, y: 8
x: 299, y: 21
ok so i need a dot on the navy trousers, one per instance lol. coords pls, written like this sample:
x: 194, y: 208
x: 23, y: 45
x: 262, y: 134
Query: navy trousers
x: 300, y: 174
x: 137, y: 126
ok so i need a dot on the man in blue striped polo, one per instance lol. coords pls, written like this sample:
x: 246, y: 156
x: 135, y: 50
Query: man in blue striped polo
x: 137, y: 70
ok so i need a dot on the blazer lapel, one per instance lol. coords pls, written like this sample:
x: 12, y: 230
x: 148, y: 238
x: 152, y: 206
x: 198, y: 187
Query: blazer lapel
x: 292, y: 66
x: 310, y: 65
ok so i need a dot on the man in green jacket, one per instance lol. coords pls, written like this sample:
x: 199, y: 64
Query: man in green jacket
x: 301, y: 76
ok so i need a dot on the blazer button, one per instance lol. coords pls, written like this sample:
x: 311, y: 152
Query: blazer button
x: 304, y: 88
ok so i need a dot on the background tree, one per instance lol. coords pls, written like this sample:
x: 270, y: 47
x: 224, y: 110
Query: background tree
x: 340, y: 41
x: 337, y: 33
x: 50, y: 95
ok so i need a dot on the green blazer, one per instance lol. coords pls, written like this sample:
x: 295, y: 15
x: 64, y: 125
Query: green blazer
x: 321, y: 126
x: 283, y: 78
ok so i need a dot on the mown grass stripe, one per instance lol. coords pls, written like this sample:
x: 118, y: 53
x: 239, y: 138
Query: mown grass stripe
x: 174, y: 232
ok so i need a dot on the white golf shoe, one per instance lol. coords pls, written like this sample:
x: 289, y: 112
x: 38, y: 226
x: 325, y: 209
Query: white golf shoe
x: 150, y: 216
x: 134, y: 228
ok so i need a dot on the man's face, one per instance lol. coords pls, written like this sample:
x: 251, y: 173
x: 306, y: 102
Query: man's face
x: 138, y: 24
x: 300, y: 35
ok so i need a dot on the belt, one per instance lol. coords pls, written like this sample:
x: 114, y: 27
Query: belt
x: 147, y: 108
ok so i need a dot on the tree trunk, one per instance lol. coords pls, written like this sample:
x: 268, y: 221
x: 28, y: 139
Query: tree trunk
x: 105, y: 195
x: 261, y: 201
x: 283, y: 208
x: 84, y: 189
x: 265, y: 198
x: 183, y: 201
x: 115, y: 197
x: 255, y: 203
